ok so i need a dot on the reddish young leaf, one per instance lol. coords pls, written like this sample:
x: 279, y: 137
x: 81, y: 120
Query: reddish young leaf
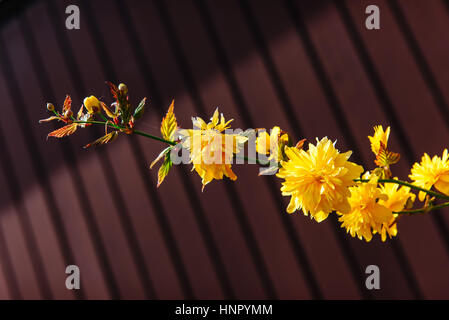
x: 67, y: 104
x: 111, y: 136
x: 300, y: 143
x: 113, y: 88
x: 385, y: 157
x: 49, y: 119
x: 64, y: 131
x: 108, y: 111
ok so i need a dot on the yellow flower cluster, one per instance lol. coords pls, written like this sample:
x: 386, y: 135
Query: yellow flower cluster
x: 319, y: 180
x: 322, y: 180
x: 272, y: 144
x: 432, y: 172
x: 211, y: 150
x: 373, y: 207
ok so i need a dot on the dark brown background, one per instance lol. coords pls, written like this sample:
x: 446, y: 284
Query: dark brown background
x: 309, y: 66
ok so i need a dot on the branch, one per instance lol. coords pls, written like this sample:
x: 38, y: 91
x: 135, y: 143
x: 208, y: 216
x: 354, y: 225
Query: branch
x: 412, y: 186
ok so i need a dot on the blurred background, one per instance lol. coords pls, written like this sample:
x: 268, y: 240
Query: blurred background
x: 310, y: 67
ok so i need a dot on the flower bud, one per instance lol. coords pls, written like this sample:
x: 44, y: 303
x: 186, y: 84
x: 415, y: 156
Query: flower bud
x: 123, y: 88
x: 92, y: 104
x: 50, y: 107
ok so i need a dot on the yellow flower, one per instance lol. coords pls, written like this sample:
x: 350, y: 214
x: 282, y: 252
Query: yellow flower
x: 367, y: 216
x: 397, y: 200
x: 397, y: 196
x: 318, y: 179
x: 212, y: 151
x: 379, y: 136
x: 263, y: 142
x: 92, y: 104
x: 431, y: 172
x: 272, y: 144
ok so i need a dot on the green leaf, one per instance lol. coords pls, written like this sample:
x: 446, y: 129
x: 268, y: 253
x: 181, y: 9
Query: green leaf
x: 159, y: 157
x: 140, y: 109
x: 248, y: 133
x: 164, y: 169
x: 269, y: 171
x: 169, y: 124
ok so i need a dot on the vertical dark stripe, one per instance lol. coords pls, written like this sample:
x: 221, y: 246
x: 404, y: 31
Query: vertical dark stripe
x: 392, y: 115
x: 335, y: 106
x: 11, y: 9
x: 70, y: 161
x: 158, y: 209
x: 235, y: 200
x: 432, y: 85
x: 37, y: 163
x: 421, y: 62
x: 290, y: 113
x: 237, y: 95
x: 195, y: 202
x: 446, y: 5
x: 17, y: 197
x: 10, y: 275
x: 110, y: 175
x: 273, y: 74
x: 331, y: 97
x: 376, y: 82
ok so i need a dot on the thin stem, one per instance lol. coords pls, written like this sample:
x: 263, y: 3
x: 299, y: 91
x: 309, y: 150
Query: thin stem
x: 141, y: 133
x: 103, y: 117
x: 250, y: 159
x: 96, y: 122
x: 400, y: 182
x: 425, y: 209
x: 412, y: 186
x: 147, y: 135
